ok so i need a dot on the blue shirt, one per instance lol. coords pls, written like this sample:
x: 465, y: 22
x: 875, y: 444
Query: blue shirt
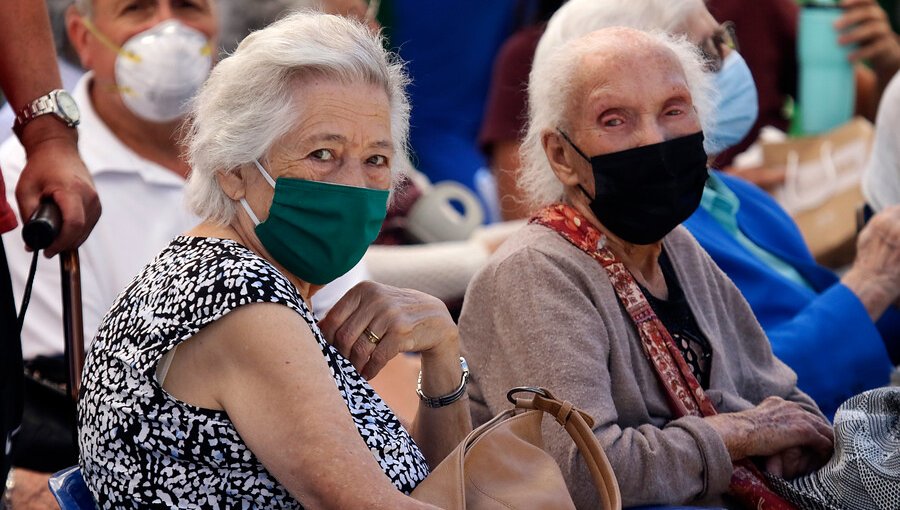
x: 821, y: 330
x: 719, y: 201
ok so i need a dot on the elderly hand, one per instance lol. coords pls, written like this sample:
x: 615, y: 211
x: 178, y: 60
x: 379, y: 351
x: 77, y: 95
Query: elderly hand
x: 791, y: 463
x: 865, y: 23
x: 772, y: 428
x: 55, y: 170
x: 372, y: 323
x: 875, y: 274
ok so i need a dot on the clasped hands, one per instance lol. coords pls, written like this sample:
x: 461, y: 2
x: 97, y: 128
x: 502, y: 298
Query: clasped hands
x: 791, y: 440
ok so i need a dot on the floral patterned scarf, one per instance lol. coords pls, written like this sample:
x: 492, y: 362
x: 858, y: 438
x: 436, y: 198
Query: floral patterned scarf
x: 684, y: 393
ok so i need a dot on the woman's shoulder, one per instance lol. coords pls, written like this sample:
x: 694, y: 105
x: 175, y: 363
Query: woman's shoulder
x: 192, y: 283
x: 206, y: 277
x: 538, y: 244
x: 537, y: 259
x: 225, y: 265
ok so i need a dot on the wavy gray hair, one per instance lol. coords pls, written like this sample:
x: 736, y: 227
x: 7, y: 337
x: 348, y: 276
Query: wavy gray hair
x: 248, y: 102
x: 555, y: 61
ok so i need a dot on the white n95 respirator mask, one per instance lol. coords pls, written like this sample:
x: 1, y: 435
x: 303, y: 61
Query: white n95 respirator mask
x: 159, y: 70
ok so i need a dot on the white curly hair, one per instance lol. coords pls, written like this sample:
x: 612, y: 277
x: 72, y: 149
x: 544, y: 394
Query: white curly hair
x: 556, y: 61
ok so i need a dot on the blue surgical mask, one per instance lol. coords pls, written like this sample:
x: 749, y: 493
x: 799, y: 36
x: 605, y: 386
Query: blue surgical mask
x: 736, y: 107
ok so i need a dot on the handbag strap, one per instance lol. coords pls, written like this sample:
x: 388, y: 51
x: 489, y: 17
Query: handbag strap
x: 684, y: 393
x: 579, y: 425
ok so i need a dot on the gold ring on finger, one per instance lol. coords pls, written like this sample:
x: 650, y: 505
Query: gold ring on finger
x: 373, y: 338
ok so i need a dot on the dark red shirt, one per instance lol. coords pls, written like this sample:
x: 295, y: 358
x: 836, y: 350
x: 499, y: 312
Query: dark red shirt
x: 506, y: 111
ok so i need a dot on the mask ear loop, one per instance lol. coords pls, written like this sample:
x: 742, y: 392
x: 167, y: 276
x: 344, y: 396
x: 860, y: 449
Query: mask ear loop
x: 566, y: 138
x: 243, y: 201
x: 264, y: 173
x: 114, y: 47
x: 107, y: 42
x: 580, y: 153
x: 249, y: 211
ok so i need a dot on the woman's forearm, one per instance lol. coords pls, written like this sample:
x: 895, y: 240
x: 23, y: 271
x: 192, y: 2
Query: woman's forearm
x: 438, y: 431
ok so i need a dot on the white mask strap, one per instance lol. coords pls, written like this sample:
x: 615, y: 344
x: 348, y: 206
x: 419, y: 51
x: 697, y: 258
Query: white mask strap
x: 264, y: 173
x: 249, y: 211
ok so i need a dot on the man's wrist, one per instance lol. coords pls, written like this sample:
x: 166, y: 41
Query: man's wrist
x: 46, y: 129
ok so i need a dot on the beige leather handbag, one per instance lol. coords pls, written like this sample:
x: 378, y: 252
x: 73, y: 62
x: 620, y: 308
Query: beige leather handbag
x: 502, y: 464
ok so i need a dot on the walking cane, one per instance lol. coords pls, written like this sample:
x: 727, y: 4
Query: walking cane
x: 38, y: 233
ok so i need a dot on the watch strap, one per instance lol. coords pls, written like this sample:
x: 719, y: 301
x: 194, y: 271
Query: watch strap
x: 48, y: 103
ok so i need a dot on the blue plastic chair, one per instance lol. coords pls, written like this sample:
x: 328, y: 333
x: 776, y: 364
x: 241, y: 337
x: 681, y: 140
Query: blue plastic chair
x: 70, y: 491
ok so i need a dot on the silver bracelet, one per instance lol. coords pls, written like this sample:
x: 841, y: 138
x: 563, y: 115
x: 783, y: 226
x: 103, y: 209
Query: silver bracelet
x: 451, y: 397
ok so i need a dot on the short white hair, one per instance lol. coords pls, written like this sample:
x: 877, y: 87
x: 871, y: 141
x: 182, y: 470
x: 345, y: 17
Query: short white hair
x: 249, y: 101
x: 556, y: 60
x: 577, y: 18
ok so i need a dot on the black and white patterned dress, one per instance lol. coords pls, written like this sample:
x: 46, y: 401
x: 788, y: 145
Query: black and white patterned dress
x: 142, y: 448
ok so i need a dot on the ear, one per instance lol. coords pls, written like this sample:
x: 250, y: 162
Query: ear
x: 232, y: 183
x: 78, y: 35
x: 560, y: 156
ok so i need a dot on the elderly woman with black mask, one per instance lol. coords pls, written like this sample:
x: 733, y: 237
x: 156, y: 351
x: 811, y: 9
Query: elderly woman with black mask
x: 604, y: 298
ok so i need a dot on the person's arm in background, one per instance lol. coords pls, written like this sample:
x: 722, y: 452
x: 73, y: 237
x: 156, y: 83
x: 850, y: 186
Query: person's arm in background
x: 28, y: 70
x: 866, y: 25
x: 832, y: 320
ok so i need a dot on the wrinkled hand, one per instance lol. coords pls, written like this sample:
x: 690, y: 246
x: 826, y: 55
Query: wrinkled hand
x: 31, y: 491
x: 875, y: 274
x: 405, y: 321
x: 55, y: 170
x: 791, y: 463
x: 773, y: 427
x: 866, y: 24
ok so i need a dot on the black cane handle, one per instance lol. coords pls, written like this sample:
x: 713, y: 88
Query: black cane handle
x: 42, y: 228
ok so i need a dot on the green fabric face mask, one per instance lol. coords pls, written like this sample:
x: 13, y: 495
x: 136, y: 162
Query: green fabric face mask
x: 317, y: 230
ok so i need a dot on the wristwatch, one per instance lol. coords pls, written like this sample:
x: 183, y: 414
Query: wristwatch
x: 58, y: 102
x: 449, y: 398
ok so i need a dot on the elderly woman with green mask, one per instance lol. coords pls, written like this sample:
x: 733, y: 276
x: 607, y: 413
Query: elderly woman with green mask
x: 210, y: 382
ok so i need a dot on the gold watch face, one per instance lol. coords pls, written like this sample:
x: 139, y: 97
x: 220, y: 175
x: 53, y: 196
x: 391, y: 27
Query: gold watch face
x: 67, y: 106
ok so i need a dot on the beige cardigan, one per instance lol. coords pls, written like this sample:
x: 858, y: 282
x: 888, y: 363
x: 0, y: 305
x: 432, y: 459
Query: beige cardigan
x: 543, y: 313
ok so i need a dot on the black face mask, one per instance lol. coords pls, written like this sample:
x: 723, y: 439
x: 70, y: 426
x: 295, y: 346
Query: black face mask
x: 641, y: 194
